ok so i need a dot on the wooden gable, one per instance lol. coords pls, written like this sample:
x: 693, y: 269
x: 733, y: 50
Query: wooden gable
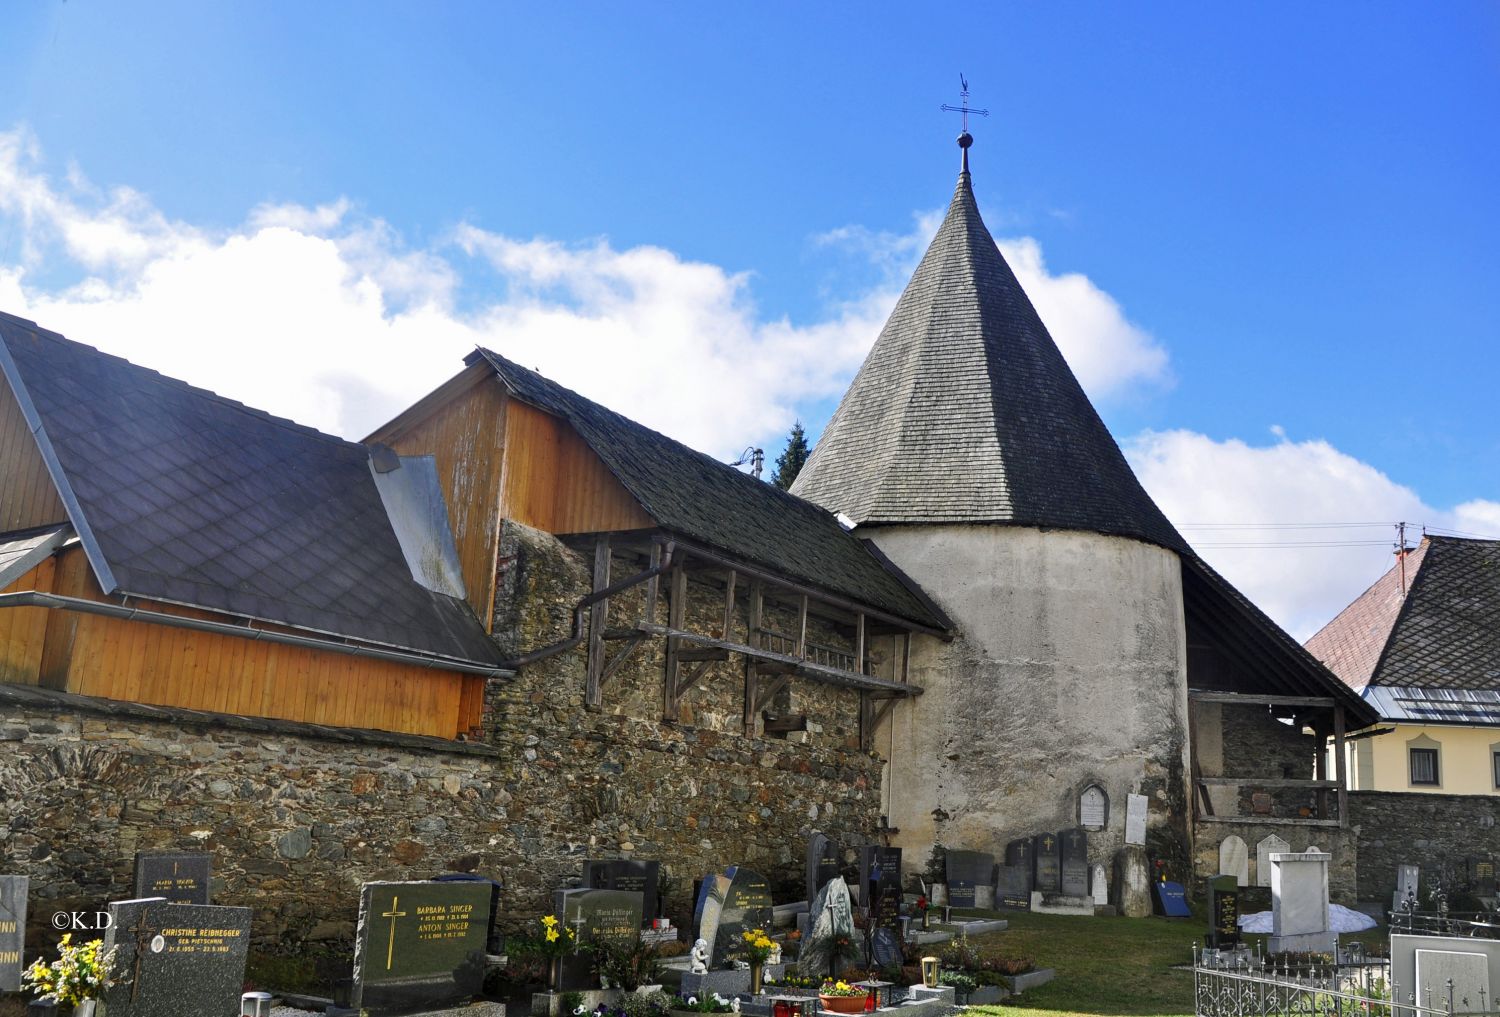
x: 27, y: 495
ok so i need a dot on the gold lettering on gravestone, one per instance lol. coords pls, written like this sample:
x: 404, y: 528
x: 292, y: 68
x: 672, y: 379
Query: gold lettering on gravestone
x: 392, y: 914
x: 200, y: 940
x: 444, y: 921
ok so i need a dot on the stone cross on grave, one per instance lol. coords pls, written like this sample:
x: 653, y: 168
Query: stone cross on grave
x: 392, y: 914
x: 141, y: 931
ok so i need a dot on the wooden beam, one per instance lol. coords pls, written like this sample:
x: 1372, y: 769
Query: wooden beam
x: 769, y: 690
x: 866, y: 722
x: 1263, y: 782
x: 802, y: 668
x: 1341, y: 773
x: 729, y: 582
x: 1267, y: 821
x: 676, y: 611
x: 1236, y: 699
x: 619, y: 658
x: 859, y: 643
x: 695, y: 656
x: 653, y: 585
x: 1320, y: 769
x: 801, y: 628
x: 688, y: 680
x: 783, y: 725
x: 598, y: 618
x: 752, y: 672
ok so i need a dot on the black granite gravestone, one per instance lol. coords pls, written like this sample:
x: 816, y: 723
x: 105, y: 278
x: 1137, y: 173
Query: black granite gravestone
x: 609, y: 918
x: 176, y: 876
x: 419, y: 946
x: 965, y: 871
x: 824, y: 860
x: 12, y: 930
x: 642, y: 877
x: 1012, y: 888
x: 1223, y: 912
x: 1075, y: 863
x: 877, y: 865
x: 172, y: 960
x: 1046, y: 850
x: 1482, y: 877
x: 729, y: 904
x: 1021, y: 855
x: 882, y: 888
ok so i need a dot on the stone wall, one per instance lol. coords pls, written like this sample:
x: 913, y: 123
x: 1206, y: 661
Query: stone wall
x: 1246, y: 741
x: 297, y: 816
x: 1341, y: 842
x: 1435, y: 832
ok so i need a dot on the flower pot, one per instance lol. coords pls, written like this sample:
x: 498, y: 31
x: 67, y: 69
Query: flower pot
x: 842, y: 1004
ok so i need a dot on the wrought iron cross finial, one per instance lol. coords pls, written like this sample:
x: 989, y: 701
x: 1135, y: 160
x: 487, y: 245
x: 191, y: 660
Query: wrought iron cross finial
x: 964, y: 109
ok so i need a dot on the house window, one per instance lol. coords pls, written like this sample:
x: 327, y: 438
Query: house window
x: 1495, y: 765
x: 1424, y: 766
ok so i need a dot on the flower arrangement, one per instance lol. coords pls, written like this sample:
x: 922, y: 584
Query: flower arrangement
x: 841, y: 988
x: 78, y: 974
x: 709, y: 1004
x: 922, y: 904
x: 554, y: 940
x: 758, y: 945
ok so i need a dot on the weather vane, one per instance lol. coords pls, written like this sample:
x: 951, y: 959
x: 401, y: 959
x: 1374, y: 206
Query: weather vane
x: 963, y: 93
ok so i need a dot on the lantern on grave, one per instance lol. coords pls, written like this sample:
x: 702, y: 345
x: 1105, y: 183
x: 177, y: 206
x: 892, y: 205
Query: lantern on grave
x: 255, y: 1004
x: 930, y: 972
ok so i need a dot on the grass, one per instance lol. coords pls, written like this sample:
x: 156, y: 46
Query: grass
x: 1106, y: 966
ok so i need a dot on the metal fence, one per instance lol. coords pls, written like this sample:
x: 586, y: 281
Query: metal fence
x: 1476, y: 925
x: 1219, y: 992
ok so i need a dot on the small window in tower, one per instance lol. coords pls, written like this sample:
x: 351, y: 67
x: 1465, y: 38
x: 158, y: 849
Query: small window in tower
x: 1424, y: 766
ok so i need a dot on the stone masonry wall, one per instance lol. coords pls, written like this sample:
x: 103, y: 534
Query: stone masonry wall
x: 1435, y: 832
x: 297, y: 817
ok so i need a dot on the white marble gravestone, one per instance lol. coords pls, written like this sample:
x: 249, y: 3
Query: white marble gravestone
x: 1263, y: 852
x: 1135, y: 819
x: 1299, y: 903
x: 1234, y: 859
x: 1101, y: 886
x: 1093, y: 808
x: 1426, y: 963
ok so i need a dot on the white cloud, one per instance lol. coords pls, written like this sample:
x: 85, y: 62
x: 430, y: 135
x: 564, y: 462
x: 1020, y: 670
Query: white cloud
x: 1230, y: 492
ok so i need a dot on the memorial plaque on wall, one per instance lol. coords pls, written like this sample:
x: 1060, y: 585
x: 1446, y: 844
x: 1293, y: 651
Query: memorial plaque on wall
x: 1045, y: 850
x: 1093, y: 808
x: 12, y: 930
x: 176, y: 876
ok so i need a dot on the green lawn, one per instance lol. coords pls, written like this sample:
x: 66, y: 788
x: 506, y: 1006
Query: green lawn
x: 1104, y: 965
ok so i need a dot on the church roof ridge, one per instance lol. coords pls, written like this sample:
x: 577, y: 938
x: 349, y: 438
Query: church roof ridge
x: 965, y: 411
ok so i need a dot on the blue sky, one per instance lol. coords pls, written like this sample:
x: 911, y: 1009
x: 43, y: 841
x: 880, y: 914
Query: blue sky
x: 1277, y: 215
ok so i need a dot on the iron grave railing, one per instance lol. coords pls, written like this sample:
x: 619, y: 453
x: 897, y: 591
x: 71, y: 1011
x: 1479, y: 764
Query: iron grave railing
x: 1475, y: 925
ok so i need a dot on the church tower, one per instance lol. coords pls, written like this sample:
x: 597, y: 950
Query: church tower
x: 967, y: 452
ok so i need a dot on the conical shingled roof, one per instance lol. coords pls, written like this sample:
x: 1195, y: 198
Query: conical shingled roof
x: 966, y: 412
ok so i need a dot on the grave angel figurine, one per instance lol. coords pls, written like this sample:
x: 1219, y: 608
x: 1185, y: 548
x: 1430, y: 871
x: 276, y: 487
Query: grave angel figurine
x: 699, y: 962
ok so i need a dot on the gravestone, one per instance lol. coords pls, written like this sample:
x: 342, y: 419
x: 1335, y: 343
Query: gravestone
x: 1132, y: 885
x: 966, y: 871
x: 1223, y: 912
x: 1482, y: 877
x: 880, y: 875
x: 642, y: 877
x: 729, y: 903
x: 172, y: 960
x: 1100, y: 886
x: 13, y: 891
x: 610, y: 918
x: 1406, y: 887
x: 830, y: 917
x: 1135, y: 819
x: 1013, y: 887
x: 1093, y: 808
x: 1267, y: 847
x: 877, y: 864
x: 1171, y: 899
x: 1234, y: 859
x: 1048, y: 878
x: 1427, y: 963
x: 179, y: 877
x: 1075, y: 863
x: 824, y: 861
x: 1299, y: 903
x: 419, y: 946
x: 1021, y: 855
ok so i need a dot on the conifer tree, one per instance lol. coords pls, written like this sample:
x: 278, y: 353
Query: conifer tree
x: 792, y: 458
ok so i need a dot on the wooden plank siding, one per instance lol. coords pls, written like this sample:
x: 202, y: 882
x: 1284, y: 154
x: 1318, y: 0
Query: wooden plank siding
x: 27, y: 495
x: 140, y: 662
x: 553, y: 481
x: 465, y: 433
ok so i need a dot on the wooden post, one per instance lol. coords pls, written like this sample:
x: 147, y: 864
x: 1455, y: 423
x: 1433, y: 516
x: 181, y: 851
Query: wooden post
x: 653, y: 585
x: 729, y: 605
x: 752, y: 673
x: 598, y: 618
x: 1341, y: 764
x: 859, y: 643
x: 675, y: 613
x: 1320, y: 767
x: 866, y: 721
x: 801, y: 627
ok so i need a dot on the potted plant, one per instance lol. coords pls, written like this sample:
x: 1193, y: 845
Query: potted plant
x: 841, y: 997
x: 962, y: 984
x: 759, y: 947
x: 633, y: 968
x: 74, y: 981
x: 693, y: 1005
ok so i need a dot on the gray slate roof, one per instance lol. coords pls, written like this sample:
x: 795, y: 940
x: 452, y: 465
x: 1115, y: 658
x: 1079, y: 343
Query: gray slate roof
x: 181, y: 495
x: 697, y: 496
x: 1444, y: 634
x: 966, y: 412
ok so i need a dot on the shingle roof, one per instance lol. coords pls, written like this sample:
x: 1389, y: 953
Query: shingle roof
x: 1447, y: 632
x: 1351, y: 644
x: 181, y: 495
x: 694, y: 495
x: 966, y: 412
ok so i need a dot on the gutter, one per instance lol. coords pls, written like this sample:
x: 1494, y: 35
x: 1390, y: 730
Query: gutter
x: 57, y: 602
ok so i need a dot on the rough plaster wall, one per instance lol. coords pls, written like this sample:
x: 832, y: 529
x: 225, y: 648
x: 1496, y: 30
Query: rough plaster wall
x: 1070, y: 668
